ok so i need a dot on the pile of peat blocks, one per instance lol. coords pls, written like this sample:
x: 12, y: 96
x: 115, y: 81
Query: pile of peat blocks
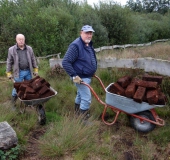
x: 147, y: 89
x: 35, y: 88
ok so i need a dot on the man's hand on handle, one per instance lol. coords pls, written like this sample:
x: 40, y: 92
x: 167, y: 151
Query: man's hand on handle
x: 77, y: 79
x: 35, y: 72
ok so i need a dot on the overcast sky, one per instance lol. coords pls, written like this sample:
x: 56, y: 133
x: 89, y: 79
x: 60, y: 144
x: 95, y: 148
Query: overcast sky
x: 122, y: 2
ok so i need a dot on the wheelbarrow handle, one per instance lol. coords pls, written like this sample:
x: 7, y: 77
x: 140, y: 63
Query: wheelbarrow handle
x: 12, y: 79
x: 93, y: 92
x: 101, y: 83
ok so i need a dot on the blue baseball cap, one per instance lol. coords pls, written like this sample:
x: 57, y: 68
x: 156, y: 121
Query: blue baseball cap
x: 87, y: 28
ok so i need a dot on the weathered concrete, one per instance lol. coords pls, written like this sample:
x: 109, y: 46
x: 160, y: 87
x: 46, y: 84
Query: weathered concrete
x: 8, y: 138
x: 158, y: 66
x: 148, y: 64
x: 54, y: 62
x: 121, y: 63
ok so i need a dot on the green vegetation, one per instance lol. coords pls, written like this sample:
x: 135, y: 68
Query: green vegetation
x: 51, y: 25
x: 69, y: 135
x: 12, y: 154
x: 64, y: 135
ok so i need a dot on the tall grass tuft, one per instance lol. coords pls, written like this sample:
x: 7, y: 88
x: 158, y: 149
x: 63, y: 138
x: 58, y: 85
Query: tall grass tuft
x: 5, y: 90
x: 6, y: 113
x: 23, y: 124
x: 69, y: 134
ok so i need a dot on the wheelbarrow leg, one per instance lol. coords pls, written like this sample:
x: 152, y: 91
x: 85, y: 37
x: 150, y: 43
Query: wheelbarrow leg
x: 115, y: 118
x: 41, y: 114
x: 22, y: 107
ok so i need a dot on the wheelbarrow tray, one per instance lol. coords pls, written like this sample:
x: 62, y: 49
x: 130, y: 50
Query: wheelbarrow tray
x: 38, y: 101
x: 125, y: 104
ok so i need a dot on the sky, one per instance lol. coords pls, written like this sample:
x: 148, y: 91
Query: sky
x: 122, y: 2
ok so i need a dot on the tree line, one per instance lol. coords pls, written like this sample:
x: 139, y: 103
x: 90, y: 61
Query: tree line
x: 51, y: 25
x: 149, y: 6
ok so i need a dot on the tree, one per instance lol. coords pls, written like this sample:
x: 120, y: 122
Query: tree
x: 117, y: 21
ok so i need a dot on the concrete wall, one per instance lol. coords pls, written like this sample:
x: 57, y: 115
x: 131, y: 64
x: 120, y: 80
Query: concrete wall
x: 158, y: 66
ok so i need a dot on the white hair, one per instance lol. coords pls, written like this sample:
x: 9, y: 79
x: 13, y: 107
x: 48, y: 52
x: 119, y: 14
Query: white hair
x: 20, y: 35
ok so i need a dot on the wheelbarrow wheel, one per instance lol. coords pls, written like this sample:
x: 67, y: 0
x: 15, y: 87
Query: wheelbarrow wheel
x: 41, y: 115
x: 143, y: 126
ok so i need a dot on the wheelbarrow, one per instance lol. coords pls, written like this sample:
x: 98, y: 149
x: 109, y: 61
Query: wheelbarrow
x: 142, y: 116
x: 38, y: 104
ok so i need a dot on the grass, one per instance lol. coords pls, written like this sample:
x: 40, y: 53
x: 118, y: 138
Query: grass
x: 157, y: 50
x: 66, y: 136
x: 6, y: 113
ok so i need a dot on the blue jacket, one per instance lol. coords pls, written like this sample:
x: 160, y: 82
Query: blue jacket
x: 80, y: 59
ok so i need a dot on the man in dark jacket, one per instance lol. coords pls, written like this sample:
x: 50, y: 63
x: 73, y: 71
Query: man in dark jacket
x: 81, y: 64
x: 21, y: 63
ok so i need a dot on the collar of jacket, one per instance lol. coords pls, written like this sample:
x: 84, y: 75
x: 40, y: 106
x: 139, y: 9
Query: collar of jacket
x: 25, y: 47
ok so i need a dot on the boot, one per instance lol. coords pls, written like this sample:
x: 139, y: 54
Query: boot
x: 13, y: 102
x: 85, y: 114
x: 77, y: 108
x: 85, y: 117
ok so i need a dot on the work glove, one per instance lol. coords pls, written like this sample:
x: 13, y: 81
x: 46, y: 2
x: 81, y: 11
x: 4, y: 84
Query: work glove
x: 77, y: 79
x: 9, y: 75
x: 35, y: 71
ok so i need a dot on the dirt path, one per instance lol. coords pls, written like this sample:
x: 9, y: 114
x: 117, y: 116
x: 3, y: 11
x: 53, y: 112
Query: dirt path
x: 32, y: 149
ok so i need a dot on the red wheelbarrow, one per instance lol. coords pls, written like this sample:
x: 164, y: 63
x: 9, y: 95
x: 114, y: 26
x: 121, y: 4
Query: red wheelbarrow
x: 143, y: 116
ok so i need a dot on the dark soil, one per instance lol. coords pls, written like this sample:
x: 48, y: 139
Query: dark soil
x: 32, y: 149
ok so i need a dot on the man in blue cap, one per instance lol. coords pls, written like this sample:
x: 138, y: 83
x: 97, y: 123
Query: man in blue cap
x: 81, y: 64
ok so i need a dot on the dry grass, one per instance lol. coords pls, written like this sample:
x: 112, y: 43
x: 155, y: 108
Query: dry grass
x: 158, y: 51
